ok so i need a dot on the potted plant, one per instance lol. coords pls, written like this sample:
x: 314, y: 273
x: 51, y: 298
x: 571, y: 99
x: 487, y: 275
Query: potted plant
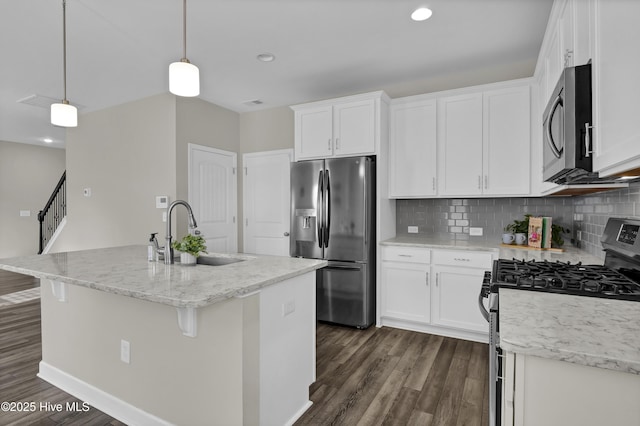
x: 556, y: 235
x: 519, y: 228
x: 189, y: 247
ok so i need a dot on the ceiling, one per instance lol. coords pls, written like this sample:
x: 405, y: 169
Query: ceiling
x: 120, y: 50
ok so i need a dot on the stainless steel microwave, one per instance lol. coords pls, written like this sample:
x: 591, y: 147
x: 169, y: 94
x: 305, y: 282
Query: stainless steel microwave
x: 567, y: 128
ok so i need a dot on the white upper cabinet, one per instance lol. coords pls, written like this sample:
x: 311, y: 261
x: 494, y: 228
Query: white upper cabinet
x: 339, y: 127
x: 472, y: 143
x: 354, y: 128
x: 314, y: 132
x: 412, y: 157
x: 616, y: 87
x: 507, y: 141
x: 460, y: 145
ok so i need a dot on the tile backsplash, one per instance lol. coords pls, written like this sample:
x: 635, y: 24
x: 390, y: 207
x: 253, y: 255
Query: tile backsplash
x: 453, y: 217
x: 592, y: 212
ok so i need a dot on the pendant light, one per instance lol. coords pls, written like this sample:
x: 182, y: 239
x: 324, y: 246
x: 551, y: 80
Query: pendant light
x: 64, y: 114
x: 184, y: 77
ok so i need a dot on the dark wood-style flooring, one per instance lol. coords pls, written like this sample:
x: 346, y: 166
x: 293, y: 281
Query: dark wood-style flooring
x: 379, y: 376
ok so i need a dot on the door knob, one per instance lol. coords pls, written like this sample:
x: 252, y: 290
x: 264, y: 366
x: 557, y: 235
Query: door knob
x: 286, y: 234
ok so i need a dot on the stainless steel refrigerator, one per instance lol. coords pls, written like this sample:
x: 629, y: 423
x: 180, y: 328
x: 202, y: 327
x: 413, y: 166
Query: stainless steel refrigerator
x: 333, y: 218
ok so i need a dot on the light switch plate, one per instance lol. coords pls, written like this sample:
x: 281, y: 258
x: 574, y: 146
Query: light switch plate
x: 475, y: 232
x: 412, y: 229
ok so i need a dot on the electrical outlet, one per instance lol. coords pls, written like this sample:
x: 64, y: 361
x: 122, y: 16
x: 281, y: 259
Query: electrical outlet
x: 475, y: 232
x: 164, y: 216
x: 412, y: 229
x: 125, y: 351
x: 579, y: 235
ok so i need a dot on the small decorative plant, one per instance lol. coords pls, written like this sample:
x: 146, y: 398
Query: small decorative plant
x: 556, y: 235
x: 519, y: 226
x: 192, y: 244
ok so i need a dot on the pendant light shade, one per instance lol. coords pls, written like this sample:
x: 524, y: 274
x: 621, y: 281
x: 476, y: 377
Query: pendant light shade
x: 64, y: 114
x: 184, y: 77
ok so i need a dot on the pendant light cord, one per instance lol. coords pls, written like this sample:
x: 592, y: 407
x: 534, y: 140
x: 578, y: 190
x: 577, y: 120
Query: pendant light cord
x: 64, y: 50
x: 184, y: 31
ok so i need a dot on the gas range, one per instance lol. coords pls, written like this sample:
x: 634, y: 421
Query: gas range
x: 563, y: 278
x: 618, y: 278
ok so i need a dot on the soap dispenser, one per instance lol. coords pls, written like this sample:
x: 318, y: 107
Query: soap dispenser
x: 152, y: 252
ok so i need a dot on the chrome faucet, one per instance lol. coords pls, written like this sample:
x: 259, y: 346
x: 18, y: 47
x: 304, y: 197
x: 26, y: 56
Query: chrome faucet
x: 168, y: 250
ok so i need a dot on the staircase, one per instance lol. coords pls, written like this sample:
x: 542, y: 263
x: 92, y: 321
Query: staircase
x: 53, y: 213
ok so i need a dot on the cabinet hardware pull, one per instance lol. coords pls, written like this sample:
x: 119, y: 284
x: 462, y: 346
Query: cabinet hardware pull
x: 433, y: 183
x: 437, y: 277
x: 587, y: 140
x: 461, y: 259
x: 479, y: 182
x: 405, y: 255
x: 427, y: 278
x: 486, y: 181
x: 329, y: 144
x: 337, y: 143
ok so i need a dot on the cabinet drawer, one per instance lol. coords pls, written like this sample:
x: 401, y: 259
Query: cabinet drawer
x: 471, y: 259
x: 406, y: 254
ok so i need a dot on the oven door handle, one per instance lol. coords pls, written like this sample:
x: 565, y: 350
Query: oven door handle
x: 483, y: 310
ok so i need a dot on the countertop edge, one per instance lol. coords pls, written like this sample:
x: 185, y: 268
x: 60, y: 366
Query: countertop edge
x: 252, y: 286
x: 624, y: 366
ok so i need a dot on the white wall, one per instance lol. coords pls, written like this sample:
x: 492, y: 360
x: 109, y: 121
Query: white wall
x: 28, y: 176
x: 126, y: 155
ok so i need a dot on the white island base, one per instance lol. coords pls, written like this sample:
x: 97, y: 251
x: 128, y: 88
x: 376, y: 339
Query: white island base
x: 251, y: 361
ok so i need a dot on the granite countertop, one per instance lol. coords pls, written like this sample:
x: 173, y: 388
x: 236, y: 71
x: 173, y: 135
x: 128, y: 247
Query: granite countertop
x: 570, y: 253
x: 583, y: 330
x: 126, y: 271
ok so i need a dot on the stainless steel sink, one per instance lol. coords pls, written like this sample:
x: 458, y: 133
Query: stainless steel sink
x: 217, y: 260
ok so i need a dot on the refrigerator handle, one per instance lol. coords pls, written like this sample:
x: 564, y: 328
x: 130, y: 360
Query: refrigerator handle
x: 327, y: 216
x: 319, y: 208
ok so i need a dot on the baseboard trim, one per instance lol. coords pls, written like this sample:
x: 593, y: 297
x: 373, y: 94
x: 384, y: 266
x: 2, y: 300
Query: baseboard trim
x: 97, y: 398
x: 299, y: 414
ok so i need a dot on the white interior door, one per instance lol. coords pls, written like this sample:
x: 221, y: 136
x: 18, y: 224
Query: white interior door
x: 267, y: 202
x: 213, y: 196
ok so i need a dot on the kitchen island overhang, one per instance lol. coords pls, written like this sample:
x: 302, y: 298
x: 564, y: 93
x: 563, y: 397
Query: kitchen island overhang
x: 251, y: 360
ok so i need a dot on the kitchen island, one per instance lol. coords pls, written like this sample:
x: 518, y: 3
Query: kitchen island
x: 150, y: 343
x: 570, y: 360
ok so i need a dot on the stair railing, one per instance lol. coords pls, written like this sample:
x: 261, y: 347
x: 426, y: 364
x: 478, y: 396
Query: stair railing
x: 53, y: 212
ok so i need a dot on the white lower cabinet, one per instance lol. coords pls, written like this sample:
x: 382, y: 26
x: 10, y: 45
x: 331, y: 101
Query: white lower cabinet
x: 406, y: 295
x: 540, y: 391
x: 434, y: 291
x: 454, y: 301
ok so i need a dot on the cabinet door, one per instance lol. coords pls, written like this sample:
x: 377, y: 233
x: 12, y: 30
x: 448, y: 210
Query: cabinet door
x: 354, y: 128
x: 616, y: 87
x: 553, y: 63
x: 454, y: 300
x: 507, y: 142
x: 405, y: 291
x: 460, y: 145
x: 313, y: 133
x: 412, y: 150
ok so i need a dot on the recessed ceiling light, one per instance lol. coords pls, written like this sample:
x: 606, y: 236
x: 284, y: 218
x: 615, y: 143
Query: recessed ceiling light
x: 421, y: 14
x: 47, y: 140
x: 266, y: 57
